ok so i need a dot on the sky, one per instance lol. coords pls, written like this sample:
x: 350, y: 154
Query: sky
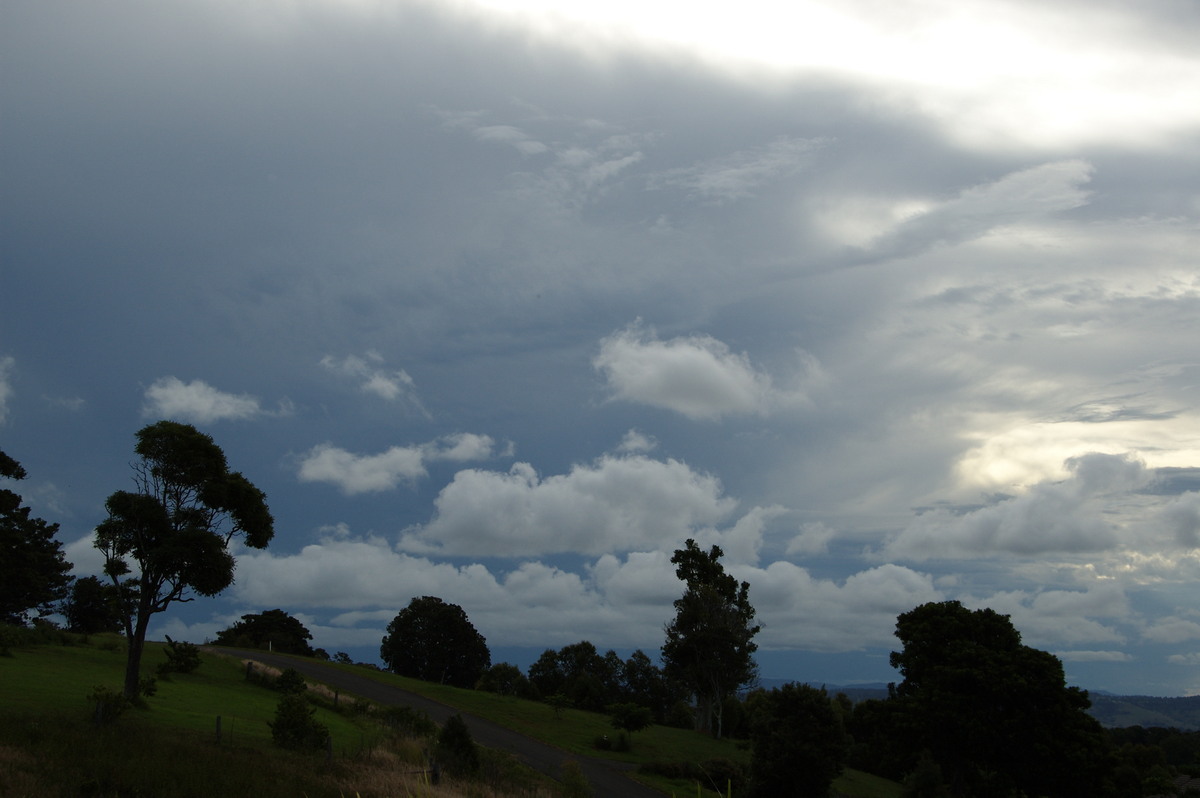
x: 503, y: 301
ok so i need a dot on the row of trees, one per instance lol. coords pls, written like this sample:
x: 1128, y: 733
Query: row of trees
x: 976, y: 713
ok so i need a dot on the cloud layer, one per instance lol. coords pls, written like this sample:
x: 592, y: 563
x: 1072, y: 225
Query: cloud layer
x: 887, y: 312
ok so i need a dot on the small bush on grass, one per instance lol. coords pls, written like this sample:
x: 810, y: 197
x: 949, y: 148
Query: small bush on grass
x: 295, y: 725
x: 290, y: 681
x: 182, y: 657
x: 109, y: 704
x: 574, y: 783
x: 456, y: 751
x: 408, y: 722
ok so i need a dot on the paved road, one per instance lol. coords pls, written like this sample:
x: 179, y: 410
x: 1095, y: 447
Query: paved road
x: 606, y: 777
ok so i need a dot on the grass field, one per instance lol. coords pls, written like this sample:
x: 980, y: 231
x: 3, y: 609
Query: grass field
x: 49, y: 745
x: 576, y: 731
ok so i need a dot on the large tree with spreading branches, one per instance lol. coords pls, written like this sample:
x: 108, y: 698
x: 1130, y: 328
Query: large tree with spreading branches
x: 169, y: 540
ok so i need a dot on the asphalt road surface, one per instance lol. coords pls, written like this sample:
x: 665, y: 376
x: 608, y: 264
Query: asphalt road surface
x: 607, y: 778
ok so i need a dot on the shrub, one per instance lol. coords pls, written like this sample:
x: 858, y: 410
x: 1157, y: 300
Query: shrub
x: 295, y: 725
x: 290, y: 682
x: 182, y: 657
x: 408, y: 721
x: 456, y: 749
x: 574, y: 783
x: 109, y: 704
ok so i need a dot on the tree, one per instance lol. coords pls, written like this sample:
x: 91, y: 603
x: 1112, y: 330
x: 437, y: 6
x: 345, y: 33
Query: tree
x: 432, y: 640
x: 995, y: 715
x: 710, y: 643
x: 504, y: 678
x: 645, y: 684
x: 798, y: 743
x: 34, y: 574
x: 176, y: 528
x: 92, y: 606
x: 273, y: 629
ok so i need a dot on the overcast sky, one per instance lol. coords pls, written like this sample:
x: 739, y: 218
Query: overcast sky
x: 501, y: 301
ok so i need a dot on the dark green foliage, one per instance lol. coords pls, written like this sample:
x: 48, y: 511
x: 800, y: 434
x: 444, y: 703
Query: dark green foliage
x: 176, y: 528
x: 718, y: 775
x: 588, y: 680
x: 34, y: 573
x: 925, y: 781
x: 574, y: 783
x: 182, y: 657
x: 995, y: 715
x: 408, y: 721
x: 456, y: 750
x: 680, y: 716
x: 273, y: 629
x: 433, y: 640
x: 798, y: 743
x: 92, y: 607
x: 107, y: 705
x: 295, y: 725
x: 504, y: 678
x: 342, y: 658
x: 290, y: 682
x: 630, y: 717
x: 710, y: 642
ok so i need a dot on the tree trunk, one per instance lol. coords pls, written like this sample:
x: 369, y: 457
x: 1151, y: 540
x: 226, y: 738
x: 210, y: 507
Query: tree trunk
x: 133, y: 662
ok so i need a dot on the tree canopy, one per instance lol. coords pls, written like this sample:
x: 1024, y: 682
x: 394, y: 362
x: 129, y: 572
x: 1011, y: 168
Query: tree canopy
x: 34, y: 573
x: 176, y: 528
x: 798, y: 743
x: 273, y: 629
x: 994, y: 714
x: 433, y: 640
x: 710, y: 643
x: 92, y: 606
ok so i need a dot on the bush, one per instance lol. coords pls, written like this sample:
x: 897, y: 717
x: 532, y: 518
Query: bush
x: 290, y: 682
x: 408, y: 721
x: 456, y: 750
x: 574, y: 783
x: 182, y: 657
x: 680, y: 716
x: 109, y: 704
x: 295, y: 725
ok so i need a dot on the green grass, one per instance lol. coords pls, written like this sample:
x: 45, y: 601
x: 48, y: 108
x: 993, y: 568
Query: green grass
x: 57, y: 678
x: 575, y: 731
x: 48, y: 743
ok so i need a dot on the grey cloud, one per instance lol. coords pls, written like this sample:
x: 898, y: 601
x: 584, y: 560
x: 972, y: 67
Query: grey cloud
x: 738, y: 175
x: 1019, y: 196
x: 1054, y: 517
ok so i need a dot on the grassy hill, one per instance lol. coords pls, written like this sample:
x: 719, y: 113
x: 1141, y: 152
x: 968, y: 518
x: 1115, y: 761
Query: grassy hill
x: 50, y: 746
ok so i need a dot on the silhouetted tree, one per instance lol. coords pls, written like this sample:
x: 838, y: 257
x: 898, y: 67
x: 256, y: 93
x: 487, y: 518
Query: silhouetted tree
x: 177, y: 528
x: 798, y: 743
x: 92, y: 606
x: 710, y: 643
x: 273, y: 629
x: 994, y: 714
x: 34, y: 573
x: 435, y: 641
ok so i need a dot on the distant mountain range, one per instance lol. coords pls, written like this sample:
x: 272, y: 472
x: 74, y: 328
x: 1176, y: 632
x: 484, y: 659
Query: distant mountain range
x: 1113, y: 711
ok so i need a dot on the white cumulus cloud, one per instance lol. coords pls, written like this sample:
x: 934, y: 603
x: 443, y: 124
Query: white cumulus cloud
x: 697, y: 375
x: 614, y: 504
x: 171, y: 397
x: 373, y: 473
